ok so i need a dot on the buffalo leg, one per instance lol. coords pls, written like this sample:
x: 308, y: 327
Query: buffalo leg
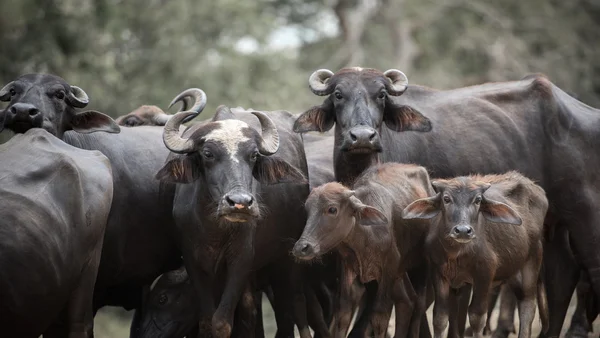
x: 506, y: 316
x: 343, y: 311
x: 245, y: 315
x: 315, y: 313
x: 381, y: 310
x: 405, y: 297
x: 491, y: 304
x: 527, y: 295
x: 580, y: 325
x: 561, y: 273
x: 479, y: 304
x: 441, y: 305
x: 363, y: 318
x: 419, y: 282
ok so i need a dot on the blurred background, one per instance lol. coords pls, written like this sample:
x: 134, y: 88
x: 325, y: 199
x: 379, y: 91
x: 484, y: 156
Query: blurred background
x: 259, y: 53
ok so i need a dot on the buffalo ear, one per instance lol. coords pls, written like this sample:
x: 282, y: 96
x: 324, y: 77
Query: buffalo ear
x: 367, y: 215
x: 405, y: 118
x: 499, y: 212
x: 371, y: 216
x: 318, y: 118
x: 273, y: 170
x: 179, y: 169
x: 424, y: 208
x: 92, y: 121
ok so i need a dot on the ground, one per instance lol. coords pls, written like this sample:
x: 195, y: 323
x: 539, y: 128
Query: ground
x: 114, y: 323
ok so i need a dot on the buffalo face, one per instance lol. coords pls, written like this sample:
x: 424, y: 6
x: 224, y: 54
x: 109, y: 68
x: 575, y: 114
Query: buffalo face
x: 460, y: 202
x: 47, y: 101
x: 333, y: 212
x: 223, y: 157
x: 359, y: 101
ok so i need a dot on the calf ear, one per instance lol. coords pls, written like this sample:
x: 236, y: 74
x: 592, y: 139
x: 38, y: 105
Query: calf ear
x: 273, y: 170
x: 424, y: 208
x: 498, y: 212
x: 92, y: 121
x: 318, y: 118
x: 371, y: 216
x: 180, y: 169
x: 405, y: 118
x: 367, y: 215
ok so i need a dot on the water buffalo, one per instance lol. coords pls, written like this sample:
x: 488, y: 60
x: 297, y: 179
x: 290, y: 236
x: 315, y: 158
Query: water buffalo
x: 485, y: 230
x: 139, y: 245
x: 150, y: 115
x: 529, y: 125
x: 230, y: 215
x: 55, y: 203
x: 382, y: 251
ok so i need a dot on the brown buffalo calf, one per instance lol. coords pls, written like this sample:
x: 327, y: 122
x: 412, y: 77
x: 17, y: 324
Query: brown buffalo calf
x: 365, y: 227
x: 485, y: 230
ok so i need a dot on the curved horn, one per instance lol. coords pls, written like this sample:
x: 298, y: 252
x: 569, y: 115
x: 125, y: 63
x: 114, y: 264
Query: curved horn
x: 399, y: 82
x: 5, y: 92
x: 318, y: 82
x: 162, y: 119
x: 199, y: 101
x: 171, y: 137
x: 176, y: 276
x: 78, y: 98
x: 269, y: 142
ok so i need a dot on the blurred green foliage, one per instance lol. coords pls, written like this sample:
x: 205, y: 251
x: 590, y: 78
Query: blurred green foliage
x: 134, y: 52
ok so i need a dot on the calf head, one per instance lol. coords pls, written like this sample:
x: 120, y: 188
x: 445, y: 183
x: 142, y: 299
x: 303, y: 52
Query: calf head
x: 171, y: 309
x: 222, y: 157
x: 333, y: 211
x: 460, y: 202
x: 47, y: 101
x: 358, y: 102
x: 154, y: 116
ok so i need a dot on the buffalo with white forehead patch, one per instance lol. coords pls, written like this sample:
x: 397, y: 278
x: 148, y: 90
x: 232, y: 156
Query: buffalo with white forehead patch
x: 223, y: 156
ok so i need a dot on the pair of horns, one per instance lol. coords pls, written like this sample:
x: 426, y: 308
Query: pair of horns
x: 267, y: 145
x: 319, y: 82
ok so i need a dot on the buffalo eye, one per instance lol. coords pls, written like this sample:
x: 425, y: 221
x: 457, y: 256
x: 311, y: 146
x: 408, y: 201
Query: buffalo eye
x: 332, y: 210
x: 162, y: 300
x: 381, y: 95
x: 208, y: 155
x: 254, y: 156
x: 338, y: 95
x: 447, y: 199
x: 12, y: 92
x: 477, y: 200
x: 60, y: 94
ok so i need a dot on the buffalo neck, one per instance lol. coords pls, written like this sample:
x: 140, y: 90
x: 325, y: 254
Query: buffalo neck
x: 348, y: 166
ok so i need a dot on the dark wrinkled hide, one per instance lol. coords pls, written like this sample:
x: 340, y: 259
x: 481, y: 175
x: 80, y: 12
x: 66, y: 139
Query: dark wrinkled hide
x: 264, y: 236
x: 375, y: 243
x: 530, y: 125
x: 55, y: 202
x: 485, y: 230
x: 138, y: 246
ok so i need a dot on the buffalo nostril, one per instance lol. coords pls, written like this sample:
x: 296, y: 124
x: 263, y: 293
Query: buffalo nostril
x: 13, y: 110
x: 372, y: 136
x: 229, y: 201
x: 33, y: 112
x: 305, y: 248
x: 456, y: 230
x: 469, y: 231
x: 353, y: 137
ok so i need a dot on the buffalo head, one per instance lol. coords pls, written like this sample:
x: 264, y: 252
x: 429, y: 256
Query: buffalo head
x: 460, y: 201
x: 359, y: 101
x: 222, y: 157
x: 47, y: 101
x: 148, y: 115
x: 171, y: 308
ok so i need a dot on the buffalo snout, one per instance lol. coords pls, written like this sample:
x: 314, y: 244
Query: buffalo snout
x: 305, y: 250
x: 238, y: 206
x: 362, y: 139
x: 462, y: 233
x: 22, y: 117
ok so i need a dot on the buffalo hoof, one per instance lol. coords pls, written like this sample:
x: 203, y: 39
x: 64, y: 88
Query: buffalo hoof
x: 577, y: 331
x: 221, y: 329
x: 486, y: 331
x: 501, y: 333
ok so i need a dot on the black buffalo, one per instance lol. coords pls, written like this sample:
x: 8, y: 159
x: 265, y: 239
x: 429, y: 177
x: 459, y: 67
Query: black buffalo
x: 230, y: 215
x: 55, y: 203
x: 529, y: 125
x: 139, y: 245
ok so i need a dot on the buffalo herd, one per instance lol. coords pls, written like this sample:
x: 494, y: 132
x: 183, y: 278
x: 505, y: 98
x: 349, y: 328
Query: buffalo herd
x: 385, y: 196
